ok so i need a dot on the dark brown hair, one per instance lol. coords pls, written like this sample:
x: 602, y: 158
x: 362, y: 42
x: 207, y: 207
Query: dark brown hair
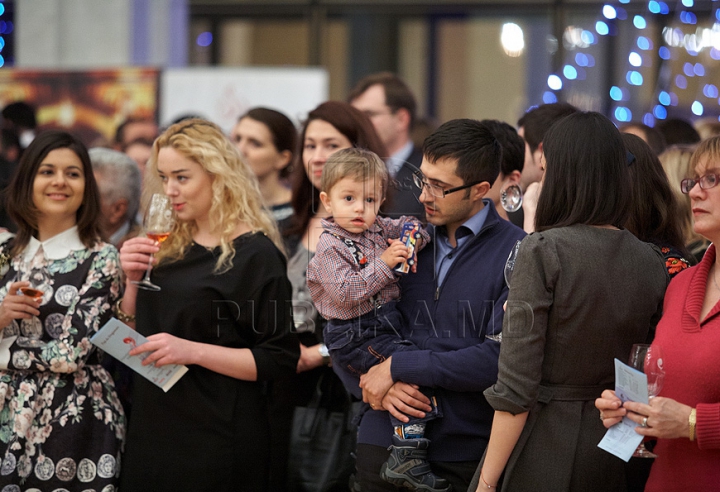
x: 283, y: 131
x: 397, y: 93
x: 356, y: 127
x: 539, y: 119
x: 655, y: 215
x: 20, y: 205
x: 586, y: 177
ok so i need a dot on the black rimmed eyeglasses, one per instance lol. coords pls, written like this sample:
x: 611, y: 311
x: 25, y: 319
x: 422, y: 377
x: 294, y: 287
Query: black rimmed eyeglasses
x: 706, y: 182
x: 436, y: 190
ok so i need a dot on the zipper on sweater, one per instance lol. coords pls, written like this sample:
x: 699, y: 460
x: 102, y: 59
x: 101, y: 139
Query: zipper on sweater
x: 437, y: 293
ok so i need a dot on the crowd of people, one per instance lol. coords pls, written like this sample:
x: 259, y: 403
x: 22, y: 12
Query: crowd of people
x: 341, y: 265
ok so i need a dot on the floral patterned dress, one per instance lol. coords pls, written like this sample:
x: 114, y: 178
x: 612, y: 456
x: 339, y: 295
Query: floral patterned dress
x: 61, y: 424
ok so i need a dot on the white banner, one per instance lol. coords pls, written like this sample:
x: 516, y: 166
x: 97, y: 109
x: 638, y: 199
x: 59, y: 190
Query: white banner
x: 222, y: 95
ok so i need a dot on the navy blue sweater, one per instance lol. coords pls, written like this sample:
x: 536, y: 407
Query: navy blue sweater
x: 449, y: 325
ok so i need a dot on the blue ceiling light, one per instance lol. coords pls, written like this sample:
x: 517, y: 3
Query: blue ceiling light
x: 623, y: 114
x: 554, y: 82
x: 644, y: 43
x: 639, y: 22
x: 570, y: 72
x: 587, y: 37
x: 549, y: 97
x: 649, y: 120
x: 688, y: 69
x: 664, y: 98
x: 609, y: 12
x: 660, y: 112
x: 635, y: 59
x: 688, y: 17
x: 602, y: 28
x: 697, y: 108
x: 681, y: 82
x: 664, y: 53
x: 653, y: 7
x: 699, y: 69
x: 664, y: 9
x: 621, y: 13
x: 616, y: 93
x: 204, y: 39
x: 714, y: 53
x: 710, y: 90
x: 688, y: 3
x: 634, y: 78
x: 581, y: 59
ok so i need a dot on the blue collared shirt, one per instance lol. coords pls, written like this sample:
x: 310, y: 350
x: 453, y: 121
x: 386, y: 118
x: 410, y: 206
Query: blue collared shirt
x: 445, y: 254
x: 395, y: 162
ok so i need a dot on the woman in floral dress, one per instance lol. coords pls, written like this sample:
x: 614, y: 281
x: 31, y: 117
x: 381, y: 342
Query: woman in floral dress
x: 61, y: 424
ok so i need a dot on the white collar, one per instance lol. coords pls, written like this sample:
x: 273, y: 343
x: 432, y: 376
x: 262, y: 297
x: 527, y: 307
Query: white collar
x: 57, y: 247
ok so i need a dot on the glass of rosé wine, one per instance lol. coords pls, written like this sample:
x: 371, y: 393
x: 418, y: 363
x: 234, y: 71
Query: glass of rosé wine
x: 158, y: 222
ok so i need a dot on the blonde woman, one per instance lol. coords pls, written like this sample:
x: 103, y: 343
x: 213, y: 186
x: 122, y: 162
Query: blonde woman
x: 676, y: 162
x: 224, y: 311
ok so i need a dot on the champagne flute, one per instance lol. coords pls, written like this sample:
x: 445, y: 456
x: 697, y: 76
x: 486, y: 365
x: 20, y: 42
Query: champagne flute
x: 648, y: 359
x: 158, y: 223
x: 511, y: 198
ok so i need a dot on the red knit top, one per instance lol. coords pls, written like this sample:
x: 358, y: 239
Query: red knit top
x: 691, y: 352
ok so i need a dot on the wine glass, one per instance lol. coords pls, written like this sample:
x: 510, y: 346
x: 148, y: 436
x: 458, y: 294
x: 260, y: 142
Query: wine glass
x: 511, y: 198
x: 648, y: 359
x: 158, y: 223
x: 510, y: 263
x: 36, y: 277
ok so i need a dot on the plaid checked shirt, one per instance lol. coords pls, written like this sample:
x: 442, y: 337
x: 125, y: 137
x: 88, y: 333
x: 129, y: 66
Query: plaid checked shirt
x: 340, y: 289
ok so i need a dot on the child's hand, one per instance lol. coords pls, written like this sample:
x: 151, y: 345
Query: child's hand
x: 396, y: 253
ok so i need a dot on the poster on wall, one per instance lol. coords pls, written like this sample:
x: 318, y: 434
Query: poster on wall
x: 90, y: 103
x: 223, y: 94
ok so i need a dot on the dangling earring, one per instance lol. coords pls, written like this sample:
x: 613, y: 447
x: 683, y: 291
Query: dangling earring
x: 511, y: 198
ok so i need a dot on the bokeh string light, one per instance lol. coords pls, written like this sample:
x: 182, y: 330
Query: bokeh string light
x: 6, y: 27
x: 693, y: 34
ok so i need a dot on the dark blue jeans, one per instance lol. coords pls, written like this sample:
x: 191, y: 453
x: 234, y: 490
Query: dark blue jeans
x: 357, y: 344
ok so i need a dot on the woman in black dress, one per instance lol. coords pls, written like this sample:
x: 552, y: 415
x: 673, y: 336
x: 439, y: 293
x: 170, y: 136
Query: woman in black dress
x: 224, y: 311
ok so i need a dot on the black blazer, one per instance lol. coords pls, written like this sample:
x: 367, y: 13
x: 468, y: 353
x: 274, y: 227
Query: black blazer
x: 402, y: 195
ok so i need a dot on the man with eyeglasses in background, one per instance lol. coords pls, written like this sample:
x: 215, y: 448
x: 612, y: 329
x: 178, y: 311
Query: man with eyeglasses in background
x: 389, y: 103
x: 452, y: 310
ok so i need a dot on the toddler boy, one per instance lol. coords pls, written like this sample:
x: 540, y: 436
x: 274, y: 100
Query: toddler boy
x: 353, y: 285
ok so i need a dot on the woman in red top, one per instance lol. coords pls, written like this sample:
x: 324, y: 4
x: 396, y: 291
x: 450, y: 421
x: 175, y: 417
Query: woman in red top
x: 686, y: 417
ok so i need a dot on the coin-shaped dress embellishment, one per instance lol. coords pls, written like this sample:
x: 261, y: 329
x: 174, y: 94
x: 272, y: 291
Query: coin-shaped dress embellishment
x: 21, y: 360
x: 8, y: 464
x: 108, y: 488
x: 44, y: 468
x: 31, y: 328
x: 106, y: 466
x: 65, y: 469
x: 86, y: 470
x: 11, y: 488
x: 65, y: 295
x: 53, y: 324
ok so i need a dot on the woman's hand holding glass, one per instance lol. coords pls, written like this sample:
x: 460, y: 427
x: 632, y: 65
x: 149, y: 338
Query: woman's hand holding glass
x: 15, y: 305
x: 135, y: 255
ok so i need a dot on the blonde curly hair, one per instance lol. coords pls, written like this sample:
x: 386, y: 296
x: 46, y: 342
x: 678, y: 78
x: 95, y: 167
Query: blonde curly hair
x: 236, y: 195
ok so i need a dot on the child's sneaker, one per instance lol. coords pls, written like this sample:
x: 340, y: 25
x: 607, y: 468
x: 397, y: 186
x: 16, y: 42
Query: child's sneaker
x: 407, y: 466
